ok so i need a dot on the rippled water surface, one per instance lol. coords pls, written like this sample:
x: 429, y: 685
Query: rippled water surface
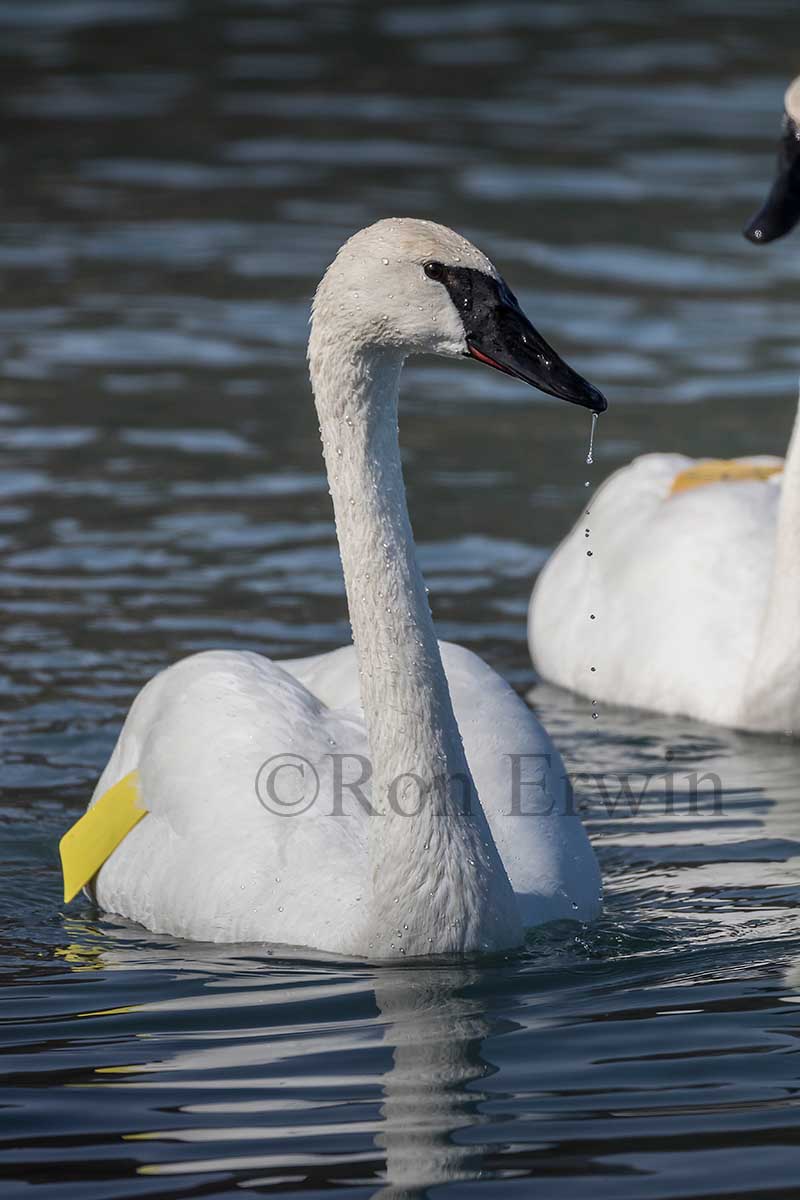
x: 175, y: 177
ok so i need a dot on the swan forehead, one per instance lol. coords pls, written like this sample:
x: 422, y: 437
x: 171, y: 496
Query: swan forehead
x: 791, y: 100
x: 409, y: 239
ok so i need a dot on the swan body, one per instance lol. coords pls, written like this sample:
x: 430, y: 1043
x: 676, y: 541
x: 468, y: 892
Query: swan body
x: 217, y: 860
x: 426, y: 841
x: 686, y: 599
x: 679, y: 608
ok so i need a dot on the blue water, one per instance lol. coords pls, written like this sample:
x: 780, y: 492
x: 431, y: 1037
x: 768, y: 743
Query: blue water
x: 175, y: 178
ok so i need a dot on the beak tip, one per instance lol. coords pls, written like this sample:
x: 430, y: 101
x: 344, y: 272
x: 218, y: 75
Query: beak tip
x: 597, y: 401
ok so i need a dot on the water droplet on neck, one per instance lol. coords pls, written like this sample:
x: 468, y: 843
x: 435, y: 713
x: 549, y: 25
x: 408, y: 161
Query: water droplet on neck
x: 385, y: 262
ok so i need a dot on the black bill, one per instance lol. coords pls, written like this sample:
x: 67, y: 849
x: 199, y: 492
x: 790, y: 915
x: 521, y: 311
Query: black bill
x: 781, y: 210
x: 500, y: 335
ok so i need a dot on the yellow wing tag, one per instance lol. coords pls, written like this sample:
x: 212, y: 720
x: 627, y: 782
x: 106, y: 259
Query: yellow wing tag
x: 719, y: 470
x: 91, y: 840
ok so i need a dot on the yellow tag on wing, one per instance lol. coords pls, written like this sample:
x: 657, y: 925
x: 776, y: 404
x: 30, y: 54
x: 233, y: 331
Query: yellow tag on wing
x: 91, y: 840
x: 719, y: 470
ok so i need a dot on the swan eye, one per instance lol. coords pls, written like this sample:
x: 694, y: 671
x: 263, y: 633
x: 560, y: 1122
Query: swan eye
x: 434, y: 270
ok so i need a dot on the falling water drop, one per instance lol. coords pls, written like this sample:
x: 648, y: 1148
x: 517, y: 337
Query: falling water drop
x: 589, y: 459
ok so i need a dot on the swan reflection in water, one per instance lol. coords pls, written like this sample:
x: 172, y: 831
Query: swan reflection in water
x: 411, y: 1070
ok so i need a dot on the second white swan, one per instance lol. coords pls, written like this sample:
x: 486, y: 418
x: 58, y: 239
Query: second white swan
x: 679, y: 589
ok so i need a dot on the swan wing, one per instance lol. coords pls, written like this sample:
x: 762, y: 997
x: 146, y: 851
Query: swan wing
x: 237, y: 844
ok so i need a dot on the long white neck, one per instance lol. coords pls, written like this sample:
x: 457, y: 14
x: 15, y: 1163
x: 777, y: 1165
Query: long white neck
x: 438, y: 883
x: 773, y: 692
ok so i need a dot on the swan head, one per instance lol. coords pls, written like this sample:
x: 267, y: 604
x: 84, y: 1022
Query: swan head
x: 781, y: 210
x: 414, y: 287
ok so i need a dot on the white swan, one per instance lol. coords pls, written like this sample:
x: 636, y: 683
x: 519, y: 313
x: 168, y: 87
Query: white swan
x: 678, y: 589
x: 409, y: 861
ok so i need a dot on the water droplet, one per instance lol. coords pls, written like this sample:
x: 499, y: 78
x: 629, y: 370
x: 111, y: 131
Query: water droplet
x: 595, y: 716
x: 397, y: 899
x: 280, y: 908
x: 592, y: 617
x: 592, y: 668
x: 589, y: 459
x: 589, y: 553
x: 385, y: 262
